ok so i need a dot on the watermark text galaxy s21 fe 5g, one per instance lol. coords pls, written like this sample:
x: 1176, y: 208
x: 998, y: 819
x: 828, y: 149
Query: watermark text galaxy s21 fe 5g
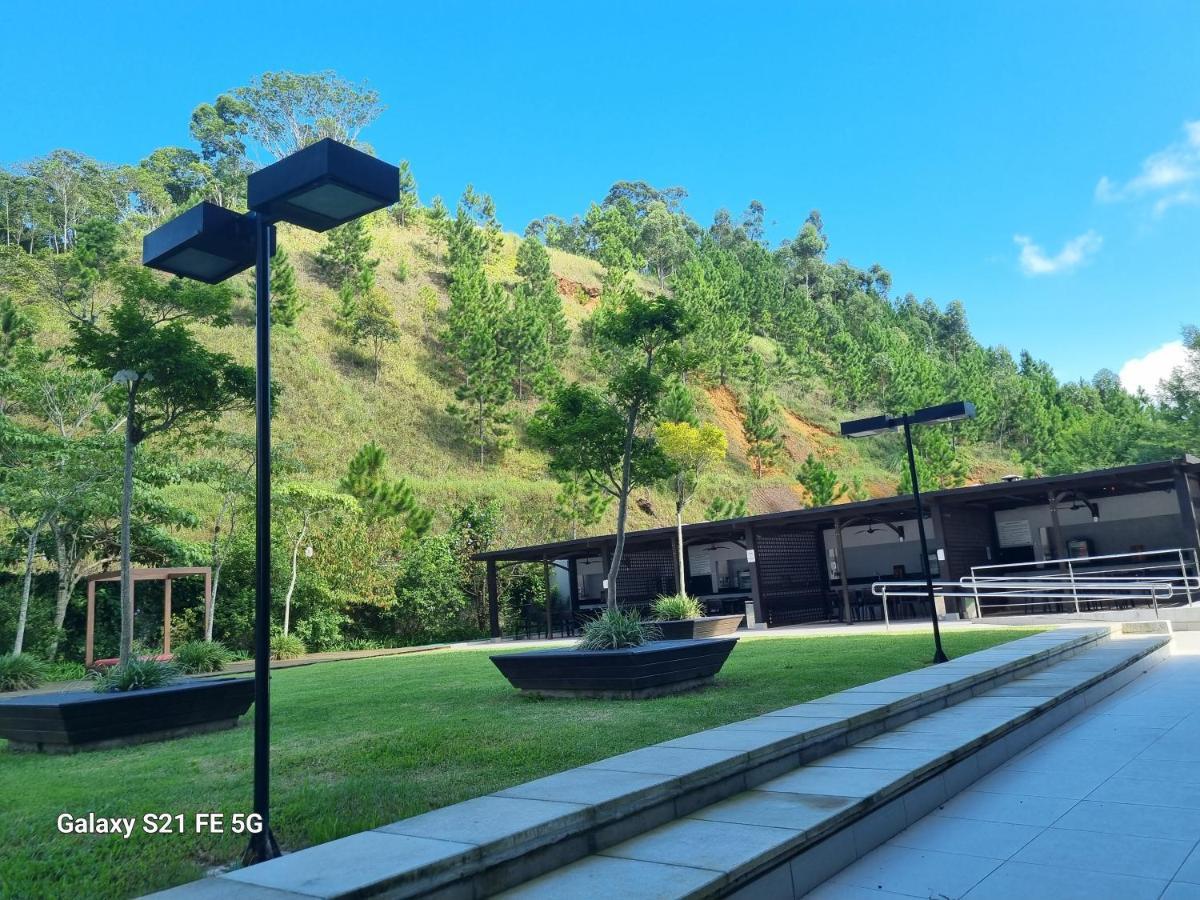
x: 160, y: 823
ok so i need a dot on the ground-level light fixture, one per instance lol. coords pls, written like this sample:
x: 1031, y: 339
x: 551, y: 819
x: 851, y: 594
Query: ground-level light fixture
x: 320, y: 187
x: 930, y: 415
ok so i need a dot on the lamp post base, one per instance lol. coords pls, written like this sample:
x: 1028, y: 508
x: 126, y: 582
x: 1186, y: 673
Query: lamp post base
x: 261, y: 848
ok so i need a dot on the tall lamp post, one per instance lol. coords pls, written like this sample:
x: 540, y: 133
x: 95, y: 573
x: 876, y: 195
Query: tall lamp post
x: 320, y: 187
x: 930, y: 415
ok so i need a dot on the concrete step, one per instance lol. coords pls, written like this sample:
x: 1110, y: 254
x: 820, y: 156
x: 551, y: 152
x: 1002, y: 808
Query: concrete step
x: 484, y: 846
x: 791, y: 833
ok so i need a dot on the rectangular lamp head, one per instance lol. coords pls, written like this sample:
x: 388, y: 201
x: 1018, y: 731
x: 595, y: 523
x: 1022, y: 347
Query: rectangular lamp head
x: 944, y: 412
x: 868, y: 427
x: 322, y: 186
x: 207, y: 243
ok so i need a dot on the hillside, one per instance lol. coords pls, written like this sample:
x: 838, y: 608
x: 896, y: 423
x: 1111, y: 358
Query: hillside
x: 329, y: 405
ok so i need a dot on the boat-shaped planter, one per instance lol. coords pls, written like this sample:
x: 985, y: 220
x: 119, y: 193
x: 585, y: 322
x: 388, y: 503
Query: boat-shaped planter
x: 651, y: 670
x: 66, y: 721
x: 703, y: 627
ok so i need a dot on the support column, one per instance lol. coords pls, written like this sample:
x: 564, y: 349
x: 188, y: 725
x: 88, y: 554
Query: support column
x: 1185, y: 494
x: 760, y: 620
x: 604, y: 590
x: 493, y: 599
x: 840, y: 549
x: 90, y: 639
x: 167, y: 615
x: 549, y: 600
x: 573, y: 578
x: 1060, y: 549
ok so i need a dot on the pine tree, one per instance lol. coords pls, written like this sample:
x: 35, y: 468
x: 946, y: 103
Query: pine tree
x: 438, y: 218
x: 533, y: 264
x: 764, y: 443
x: 580, y: 504
x: 677, y: 403
x: 525, y: 340
x: 380, y: 497
x: 286, y: 305
x: 821, y: 482
x: 483, y: 364
x: 345, y: 252
x: 404, y: 212
x: 725, y: 508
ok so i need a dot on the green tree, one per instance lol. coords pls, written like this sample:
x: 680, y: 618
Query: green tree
x: 286, y: 304
x: 597, y: 437
x: 345, y: 255
x: 285, y: 111
x: 380, y: 497
x: 764, y: 445
x: 821, y: 482
x: 374, y: 323
x: 301, y: 506
x: 483, y: 366
x: 168, y: 379
x: 720, y: 508
x: 691, y: 450
x: 579, y: 504
x: 533, y: 264
x: 405, y: 210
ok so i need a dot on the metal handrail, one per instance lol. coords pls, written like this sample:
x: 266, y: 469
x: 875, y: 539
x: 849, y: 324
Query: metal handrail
x: 1070, y: 564
x: 1033, y: 591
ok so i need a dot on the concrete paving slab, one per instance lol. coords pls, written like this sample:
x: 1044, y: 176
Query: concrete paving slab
x: 833, y: 782
x: 575, y: 786
x: 859, y: 757
x: 995, y: 840
x: 799, y: 812
x: 666, y: 760
x: 1131, y: 818
x: 1074, y: 785
x: 918, y: 873
x: 603, y: 878
x: 1010, y: 808
x: 497, y: 821
x: 1148, y: 792
x: 1035, y: 882
x: 349, y: 863
x: 1113, y: 854
x: 719, y: 846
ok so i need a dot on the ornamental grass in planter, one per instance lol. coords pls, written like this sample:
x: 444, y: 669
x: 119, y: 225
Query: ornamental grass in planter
x: 21, y: 671
x: 617, y: 629
x: 677, y: 606
x: 138, y: 674
x: 201, y: 657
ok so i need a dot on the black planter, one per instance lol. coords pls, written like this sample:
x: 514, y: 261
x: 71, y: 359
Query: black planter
x: 653, y: 669
x: 704, y: 627
x: 84, y: 720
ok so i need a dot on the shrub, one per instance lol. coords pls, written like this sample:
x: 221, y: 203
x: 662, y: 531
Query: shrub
x: 21, y: 671
x: 65, y: 671
x: 614, y: 629
x: 195, y: 657
x: 287, y: 646
x: 139, y: 674
x: 677, y: 606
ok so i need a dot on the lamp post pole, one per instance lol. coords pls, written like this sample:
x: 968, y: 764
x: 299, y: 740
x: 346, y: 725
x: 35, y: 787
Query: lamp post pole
x: 939, y: 655
x: 262, y: 844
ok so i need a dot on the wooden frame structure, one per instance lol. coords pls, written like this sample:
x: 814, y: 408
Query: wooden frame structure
x: 165, y: 575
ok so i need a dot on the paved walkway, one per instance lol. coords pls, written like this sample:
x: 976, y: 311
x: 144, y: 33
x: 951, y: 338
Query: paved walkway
x: 1108, y: 806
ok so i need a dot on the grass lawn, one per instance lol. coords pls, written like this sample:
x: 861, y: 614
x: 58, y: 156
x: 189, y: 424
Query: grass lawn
x: 362, y: 743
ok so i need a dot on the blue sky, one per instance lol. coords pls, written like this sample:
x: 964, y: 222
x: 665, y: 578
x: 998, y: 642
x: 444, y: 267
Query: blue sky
x: 1031, y: 159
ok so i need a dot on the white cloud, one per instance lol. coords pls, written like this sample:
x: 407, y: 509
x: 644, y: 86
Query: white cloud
x: 1166, y: 175
x: 1035, y: 261
x: 1147, y: 371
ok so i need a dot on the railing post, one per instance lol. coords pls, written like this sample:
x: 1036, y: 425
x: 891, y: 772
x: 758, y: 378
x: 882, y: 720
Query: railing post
x: 1187, y: 584
x: 1074, y: 592
x: 975, y: 591
x: 887, y: 622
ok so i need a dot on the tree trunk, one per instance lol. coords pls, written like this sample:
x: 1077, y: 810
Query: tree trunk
x: 622, y: 503
x: 126, y: 512
x: 680, y: 589
x: 27, y: 585
x: 287, y: 600
x: 68, y: 564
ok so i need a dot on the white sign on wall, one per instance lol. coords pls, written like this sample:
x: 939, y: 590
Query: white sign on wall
x: 749, y: 556
x: 1015, y: 533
